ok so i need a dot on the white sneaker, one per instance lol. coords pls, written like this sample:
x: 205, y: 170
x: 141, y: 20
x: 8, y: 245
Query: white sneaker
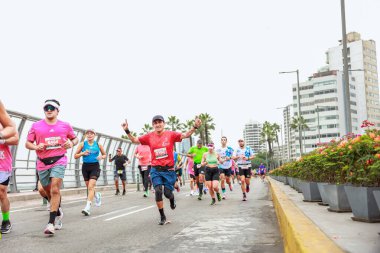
x: 191, y: 193
x: 86, y: 212
x: 48, y: 206
x: 49, y: 230
x: 58, y: 220
x: 98, y: 199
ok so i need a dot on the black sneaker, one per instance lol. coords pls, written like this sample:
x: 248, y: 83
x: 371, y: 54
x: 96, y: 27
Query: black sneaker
x: 213, y: 202
x: 163, y: 220
x: 6, y: 227
x: 218, y: 196
x: 173, y: 204
x: 200, y: 197
x: 124, y: 192
x: 117, y: 192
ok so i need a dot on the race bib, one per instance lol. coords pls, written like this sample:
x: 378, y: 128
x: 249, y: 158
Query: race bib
x: 245, y: 166
x: 198, y: 166
x: 160, y: 153
x: 120, y: 172
x: 143, y: 168
x: 52, y: 143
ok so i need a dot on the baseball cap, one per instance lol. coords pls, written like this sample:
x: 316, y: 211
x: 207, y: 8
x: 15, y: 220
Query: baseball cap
x: 158, y: 117
x: 199, y: 141
x: 90, y: 130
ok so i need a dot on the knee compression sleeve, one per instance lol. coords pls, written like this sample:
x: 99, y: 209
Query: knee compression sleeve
x: 168, y: 193
x: 158, y: 192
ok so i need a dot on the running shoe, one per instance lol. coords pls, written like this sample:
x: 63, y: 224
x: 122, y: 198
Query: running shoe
x: 191, y: 193
x: 244, y: 198
x: 218, y: 196
x: 224, y: 196
x: 124, y: 192
x: 49, y: 230
x: 213, y: 202
x: 145, y: 194
x: 117, y: 192
x: 58, y: 220
x: 173, y: 204
x: 163, y: 220
x: 6, y: 227
x: 247, y: 188
x: 98, y: 199
x: 200, y: 197
x: 86, y: 212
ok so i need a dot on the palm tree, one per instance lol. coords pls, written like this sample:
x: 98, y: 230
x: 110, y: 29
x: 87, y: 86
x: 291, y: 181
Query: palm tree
x: 146, y: 129
x: 268, y: 136
x: 207, y: 122
x: 174, y: 123
x: 126, y: 136
x: 299, y: 123
x: 276, y: 130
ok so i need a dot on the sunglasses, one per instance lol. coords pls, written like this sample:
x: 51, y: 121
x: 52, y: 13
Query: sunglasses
x: 241, y: 141
x: 49, y: 108
x: 118, y: 150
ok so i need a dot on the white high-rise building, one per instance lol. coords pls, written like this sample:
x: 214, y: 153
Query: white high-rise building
x: 288, y: 151
x: 251, y: 135
x: 322, y: 106
x: 362, y: 65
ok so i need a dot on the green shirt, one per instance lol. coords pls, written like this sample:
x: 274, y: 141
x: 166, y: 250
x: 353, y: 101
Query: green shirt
x: 198, y: 153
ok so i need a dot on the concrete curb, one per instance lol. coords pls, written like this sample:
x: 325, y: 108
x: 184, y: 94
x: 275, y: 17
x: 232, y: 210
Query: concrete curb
x: 299, y: 233
x: 25, y: 196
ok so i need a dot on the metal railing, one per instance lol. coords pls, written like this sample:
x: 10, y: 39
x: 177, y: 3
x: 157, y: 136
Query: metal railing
x: 24, y: 160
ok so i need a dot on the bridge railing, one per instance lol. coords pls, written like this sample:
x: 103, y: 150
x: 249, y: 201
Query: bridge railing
x: 24, y: 160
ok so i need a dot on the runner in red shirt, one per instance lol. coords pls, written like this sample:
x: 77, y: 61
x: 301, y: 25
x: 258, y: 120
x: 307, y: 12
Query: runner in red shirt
x: 161, y: 143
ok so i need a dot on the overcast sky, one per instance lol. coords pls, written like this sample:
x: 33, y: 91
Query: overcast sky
x: 110, y: 60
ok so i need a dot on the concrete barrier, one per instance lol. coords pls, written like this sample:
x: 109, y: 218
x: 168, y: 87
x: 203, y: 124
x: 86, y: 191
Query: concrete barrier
x: 299, y: 233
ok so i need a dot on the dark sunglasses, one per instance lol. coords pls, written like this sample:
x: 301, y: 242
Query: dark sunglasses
x: 49, y: 108
x: 241, y: 141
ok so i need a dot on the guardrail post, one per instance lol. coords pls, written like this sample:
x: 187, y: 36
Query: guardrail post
x: 138, y: 182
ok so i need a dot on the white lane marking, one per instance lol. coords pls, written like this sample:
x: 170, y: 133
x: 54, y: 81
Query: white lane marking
x: 98, y: 216
x: 25, y: 209
x: 136, y: 211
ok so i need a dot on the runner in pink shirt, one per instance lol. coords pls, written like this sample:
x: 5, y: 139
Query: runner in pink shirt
x: 190, y: 171
x: 50, y: 138
x: 8, y: 136
x: 142, y: 153
x: 161, y: 143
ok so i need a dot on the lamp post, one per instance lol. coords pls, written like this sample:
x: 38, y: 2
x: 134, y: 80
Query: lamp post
x: 298, y: 103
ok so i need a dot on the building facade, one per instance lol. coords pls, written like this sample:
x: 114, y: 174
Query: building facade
x: 251, y: 135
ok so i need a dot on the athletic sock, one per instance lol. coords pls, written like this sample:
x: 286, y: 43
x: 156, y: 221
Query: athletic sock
x: 52, y: 217
x: 88, y: 205
x: 224, y: 190
x: 161, y: 211
x: 5, y: 216
x: 200, y: 188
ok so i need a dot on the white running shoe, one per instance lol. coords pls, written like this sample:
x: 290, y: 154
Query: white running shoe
x: 98, y: 199
x: 49, y: 230
x: 58, y: 220
x: 86, y: 212
x: 191, y: 193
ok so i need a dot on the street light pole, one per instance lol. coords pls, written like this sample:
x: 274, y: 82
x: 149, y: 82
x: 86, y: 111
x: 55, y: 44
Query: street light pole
x: 347, y: 106
x: 299, y: 106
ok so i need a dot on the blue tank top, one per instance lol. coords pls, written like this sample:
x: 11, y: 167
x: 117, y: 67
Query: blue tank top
x: 94, y: 152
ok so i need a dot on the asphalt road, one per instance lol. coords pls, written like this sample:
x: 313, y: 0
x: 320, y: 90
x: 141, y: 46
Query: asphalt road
x: 129, y: 224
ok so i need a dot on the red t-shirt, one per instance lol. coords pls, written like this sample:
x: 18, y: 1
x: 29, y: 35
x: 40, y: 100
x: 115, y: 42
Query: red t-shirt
x: 161, y: 147
x: 144, y: 151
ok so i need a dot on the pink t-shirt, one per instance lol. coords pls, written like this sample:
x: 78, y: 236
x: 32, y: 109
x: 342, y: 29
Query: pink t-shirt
x: 144, y: 151
x: 5, y: 158
x: 161, y: 147
x: 53, y: 136
x: 190, y: 166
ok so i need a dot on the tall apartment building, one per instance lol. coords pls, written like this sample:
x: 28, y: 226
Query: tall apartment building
x: 322, y: 107
x: 362, y: 65
x: 251, y: 133
x: 289, y: 153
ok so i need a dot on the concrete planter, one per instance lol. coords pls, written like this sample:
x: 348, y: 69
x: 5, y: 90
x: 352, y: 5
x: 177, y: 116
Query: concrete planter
x: 290, y: 180
x: 297, y: 184
x: 363, y: 203
x: 323, y: 194
x: 376, y: 195
x: 286, y: 182
x: 337, y: 198
x: 310, y: 192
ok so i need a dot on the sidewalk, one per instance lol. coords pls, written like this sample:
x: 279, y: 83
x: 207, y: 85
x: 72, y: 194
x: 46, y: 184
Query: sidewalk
x: 339, y: 228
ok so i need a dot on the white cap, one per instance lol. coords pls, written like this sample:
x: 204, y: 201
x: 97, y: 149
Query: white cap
x: 51, y: 102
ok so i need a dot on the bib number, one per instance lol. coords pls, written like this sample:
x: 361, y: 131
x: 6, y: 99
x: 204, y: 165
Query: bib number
x: 144, y: 168
x: 120, y: 172
x: 198, y: 166
x: 160, y: 153
x: 244, y: 167
x: 52, y: 143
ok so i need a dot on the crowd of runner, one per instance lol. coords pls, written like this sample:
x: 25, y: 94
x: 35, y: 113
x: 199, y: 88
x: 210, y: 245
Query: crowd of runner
x: 210, y: 169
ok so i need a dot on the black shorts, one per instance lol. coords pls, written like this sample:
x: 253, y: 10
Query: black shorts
x: 245, y: 172
x: 198, y: 171
x: 226, y: 172
x: 6, y: 182
x: 179, y: 172
x: 192, y: 176
x: 211, y: 174
x: 90, y: 171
